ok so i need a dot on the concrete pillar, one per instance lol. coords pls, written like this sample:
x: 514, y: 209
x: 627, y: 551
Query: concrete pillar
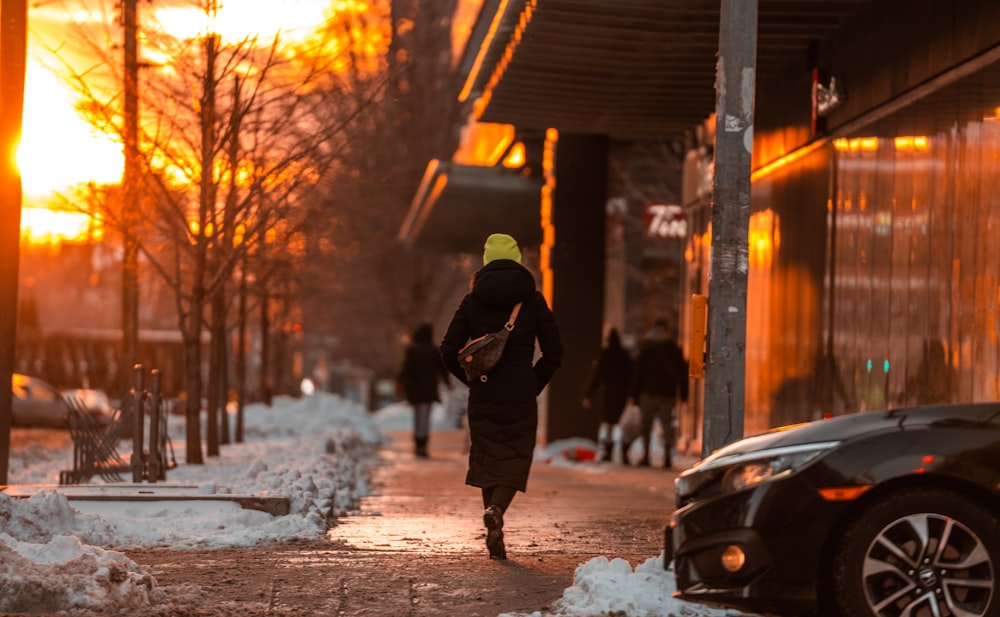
x: 578, y: 264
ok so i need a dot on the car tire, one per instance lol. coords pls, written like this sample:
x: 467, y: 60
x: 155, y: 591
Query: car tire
x: 916, y: 550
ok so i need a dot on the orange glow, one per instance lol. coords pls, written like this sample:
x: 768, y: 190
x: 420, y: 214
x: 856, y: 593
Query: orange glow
x: 863, y: 144
x: 194, y: 227
x: 911, y: 143
x: 479, y: 107
x: 786, y: 427
x: 478, y: 62
x: 438, y: 188
x: 516, y: 157
x: 842, y: 493
x: 44, y: 226
x: 236, y: 21
x: 784, y: 161
x: 483, y: 143
x: 60, y: 150
x: 548, y: 229
x: 763, y: 238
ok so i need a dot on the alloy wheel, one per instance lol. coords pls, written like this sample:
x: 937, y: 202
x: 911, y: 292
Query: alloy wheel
x: 928, y: 565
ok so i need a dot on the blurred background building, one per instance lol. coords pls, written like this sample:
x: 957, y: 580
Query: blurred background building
x: 872, y: 274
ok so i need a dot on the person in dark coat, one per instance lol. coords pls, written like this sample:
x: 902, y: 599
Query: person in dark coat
x: 418, y: 378
x: 613, y: 370
x: 661, y: 379
x: 503, y: 410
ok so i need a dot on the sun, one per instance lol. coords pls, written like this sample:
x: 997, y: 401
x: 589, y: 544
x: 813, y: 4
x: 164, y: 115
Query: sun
x: 236, y: 21
x: 59, y: 150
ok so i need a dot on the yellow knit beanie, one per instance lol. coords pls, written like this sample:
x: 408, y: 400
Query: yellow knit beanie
x: 501, y: 246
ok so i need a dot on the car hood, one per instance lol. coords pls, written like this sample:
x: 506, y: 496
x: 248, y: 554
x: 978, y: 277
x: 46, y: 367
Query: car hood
x: 843, y: 428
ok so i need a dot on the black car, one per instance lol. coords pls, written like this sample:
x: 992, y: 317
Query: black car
x: 891, y: 514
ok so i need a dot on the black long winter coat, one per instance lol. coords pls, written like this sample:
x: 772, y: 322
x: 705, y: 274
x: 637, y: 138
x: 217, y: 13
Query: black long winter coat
x: 660, y: 368
x: 422, y: 369
x: 613, y: 371
x: 503, y: 411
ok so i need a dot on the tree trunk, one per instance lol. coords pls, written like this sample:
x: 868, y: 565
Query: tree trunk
x: 224, y: 389
x: 216, y: 367
x: 241, y: 354
x: 266, y: 390
x: 206, y: 207
x: 192, y: 384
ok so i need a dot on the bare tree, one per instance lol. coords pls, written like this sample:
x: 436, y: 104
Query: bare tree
x: 375, y: 289
x: 231, y: 137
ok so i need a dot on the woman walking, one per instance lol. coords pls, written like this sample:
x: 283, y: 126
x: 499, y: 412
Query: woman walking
x: 613, y: 370
x: 503, y: 409
x: 418, y: 378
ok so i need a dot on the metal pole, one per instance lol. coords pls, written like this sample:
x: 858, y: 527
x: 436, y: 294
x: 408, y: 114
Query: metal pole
x: 155, y: 451
x: 725, y: 373
x: 130, y: 180
x: 13, y: 53
x: 138, y: 427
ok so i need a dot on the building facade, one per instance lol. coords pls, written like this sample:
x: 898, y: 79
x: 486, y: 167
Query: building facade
x: 873, y: 277
x: 872, y: 273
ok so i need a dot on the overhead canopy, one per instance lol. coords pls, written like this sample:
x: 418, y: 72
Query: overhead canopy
x: 624, y: 67
x: 457, y: 206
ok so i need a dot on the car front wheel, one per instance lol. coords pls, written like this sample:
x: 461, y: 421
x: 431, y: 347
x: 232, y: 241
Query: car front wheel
x: 919, y: 553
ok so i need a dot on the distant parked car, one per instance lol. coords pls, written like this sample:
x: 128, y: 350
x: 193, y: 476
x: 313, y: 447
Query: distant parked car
x: 95, y: 401
x: 37, y: 403
x: 882, y: 514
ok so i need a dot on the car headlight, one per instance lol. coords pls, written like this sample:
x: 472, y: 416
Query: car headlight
x: 746, y: 469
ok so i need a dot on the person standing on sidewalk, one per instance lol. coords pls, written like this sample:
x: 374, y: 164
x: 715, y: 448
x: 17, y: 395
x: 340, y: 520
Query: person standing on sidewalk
x: 661, y: 379
x: 503, y: 409
x: 421, y: 372
x: 613, y: 370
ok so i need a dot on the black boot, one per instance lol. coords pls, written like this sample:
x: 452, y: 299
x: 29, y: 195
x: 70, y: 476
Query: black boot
x: 421, y: 447
x: 493, y: 518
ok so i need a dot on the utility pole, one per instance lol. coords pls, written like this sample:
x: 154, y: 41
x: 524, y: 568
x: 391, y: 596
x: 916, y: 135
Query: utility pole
x: 725, y: 373
x: 13, y: 56
x: 130, y: 203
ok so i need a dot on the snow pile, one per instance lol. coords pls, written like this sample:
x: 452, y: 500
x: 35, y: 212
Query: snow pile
x: 54, y: 554
x: 603, y: 587
x: 65, y: 575
x: 315, y: 451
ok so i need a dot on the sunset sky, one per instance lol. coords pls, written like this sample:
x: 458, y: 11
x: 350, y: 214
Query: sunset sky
x: 58, y: 148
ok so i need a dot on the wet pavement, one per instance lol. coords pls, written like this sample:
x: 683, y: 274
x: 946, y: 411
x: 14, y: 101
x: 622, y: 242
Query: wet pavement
x: 423, y: 505
x: 417, y: 546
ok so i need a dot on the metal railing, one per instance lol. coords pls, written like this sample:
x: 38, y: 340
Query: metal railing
x: 95, y: 443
